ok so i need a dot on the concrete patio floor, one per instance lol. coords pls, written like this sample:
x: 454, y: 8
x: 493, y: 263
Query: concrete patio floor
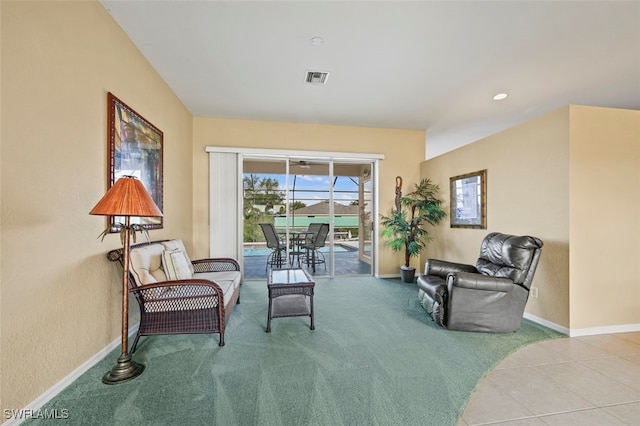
x: 346, y: 263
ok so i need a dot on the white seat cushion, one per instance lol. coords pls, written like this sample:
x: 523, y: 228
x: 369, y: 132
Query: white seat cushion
x: 227, y: 280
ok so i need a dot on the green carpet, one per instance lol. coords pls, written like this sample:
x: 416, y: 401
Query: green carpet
x: 375, y: 358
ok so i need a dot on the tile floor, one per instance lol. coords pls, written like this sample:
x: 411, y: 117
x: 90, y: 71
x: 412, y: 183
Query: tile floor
x: 593, y: 380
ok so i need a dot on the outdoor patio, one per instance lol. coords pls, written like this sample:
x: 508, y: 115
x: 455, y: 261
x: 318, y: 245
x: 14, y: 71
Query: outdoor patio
x: 346, y: 258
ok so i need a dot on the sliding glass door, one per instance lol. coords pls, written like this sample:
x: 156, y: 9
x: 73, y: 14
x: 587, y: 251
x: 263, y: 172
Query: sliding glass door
x: 298, y: 196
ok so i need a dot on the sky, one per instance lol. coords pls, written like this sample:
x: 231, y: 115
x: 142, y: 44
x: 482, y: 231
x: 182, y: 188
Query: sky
x: 317, y: 188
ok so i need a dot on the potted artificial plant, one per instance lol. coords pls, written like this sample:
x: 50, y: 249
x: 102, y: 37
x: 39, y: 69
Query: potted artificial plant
x: 404, y: 227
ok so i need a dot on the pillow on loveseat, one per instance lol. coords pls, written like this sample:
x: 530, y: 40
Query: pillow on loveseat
x: 176, y: 265
x: 173, y: 245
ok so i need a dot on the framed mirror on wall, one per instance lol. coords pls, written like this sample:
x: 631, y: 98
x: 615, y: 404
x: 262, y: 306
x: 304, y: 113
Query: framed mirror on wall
x: 469, y: 200
x: 134, y: 149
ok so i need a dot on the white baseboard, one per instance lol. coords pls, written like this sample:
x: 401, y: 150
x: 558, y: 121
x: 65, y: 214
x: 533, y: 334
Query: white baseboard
x: 590, y: 331
x: 553, y: 326
x: 610, y: 329
x: 39, y: 402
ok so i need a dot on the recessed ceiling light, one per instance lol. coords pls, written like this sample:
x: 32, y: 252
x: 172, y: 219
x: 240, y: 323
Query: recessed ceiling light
x: 317, y: 41
x: 500, y: 96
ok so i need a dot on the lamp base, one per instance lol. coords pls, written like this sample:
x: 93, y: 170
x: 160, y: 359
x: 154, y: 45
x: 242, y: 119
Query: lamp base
x: 126, y: 369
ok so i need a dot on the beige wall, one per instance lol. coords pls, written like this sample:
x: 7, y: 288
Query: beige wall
x: 605, y: 217
x: 403, y: 150
x: 527, y: 193
x: 571, y: 178
x: 60, y: 296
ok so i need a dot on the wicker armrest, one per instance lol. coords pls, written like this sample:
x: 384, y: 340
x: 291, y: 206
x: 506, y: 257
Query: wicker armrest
x: 197, y: 283
x: 182, y: 292
x: 216, y: 265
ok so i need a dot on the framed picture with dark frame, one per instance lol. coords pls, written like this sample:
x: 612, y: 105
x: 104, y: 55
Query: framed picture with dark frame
x: 469, y: 200
x: 135, y: 149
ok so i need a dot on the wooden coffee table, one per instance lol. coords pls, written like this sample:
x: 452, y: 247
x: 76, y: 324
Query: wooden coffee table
x: 290, y: 294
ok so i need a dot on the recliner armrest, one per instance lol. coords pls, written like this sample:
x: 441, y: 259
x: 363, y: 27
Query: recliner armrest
x: 478, y: 282
x: 442, y: 268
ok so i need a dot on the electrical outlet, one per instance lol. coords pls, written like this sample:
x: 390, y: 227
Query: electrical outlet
x: 534, y: 292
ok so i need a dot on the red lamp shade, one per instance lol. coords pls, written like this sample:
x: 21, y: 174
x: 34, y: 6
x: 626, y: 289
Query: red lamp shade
x: 127, y: 197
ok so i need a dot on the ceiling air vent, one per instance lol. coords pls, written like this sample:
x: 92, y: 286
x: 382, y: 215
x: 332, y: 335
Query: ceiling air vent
x: 317, y: 77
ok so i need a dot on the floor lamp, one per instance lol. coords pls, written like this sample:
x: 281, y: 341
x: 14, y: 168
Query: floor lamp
x: 127, y: 197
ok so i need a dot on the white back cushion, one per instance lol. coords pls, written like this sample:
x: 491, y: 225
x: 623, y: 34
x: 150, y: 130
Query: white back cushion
x: 146, y: 264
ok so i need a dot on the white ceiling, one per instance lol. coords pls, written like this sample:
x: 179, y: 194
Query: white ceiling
x: 431, y: 65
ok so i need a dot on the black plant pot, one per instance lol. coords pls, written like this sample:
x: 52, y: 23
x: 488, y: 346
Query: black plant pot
x: 407, y: 273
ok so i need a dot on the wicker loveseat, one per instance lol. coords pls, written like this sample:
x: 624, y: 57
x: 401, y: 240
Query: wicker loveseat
x: 177, y: 295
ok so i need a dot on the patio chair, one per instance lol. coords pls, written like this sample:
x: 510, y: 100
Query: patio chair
x: 299, y: 239
x: 312, y: 230
x: 277, y: 257
x: 314, y: 242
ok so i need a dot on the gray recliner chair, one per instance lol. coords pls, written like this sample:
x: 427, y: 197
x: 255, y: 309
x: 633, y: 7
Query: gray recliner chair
x: 489, y: 296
